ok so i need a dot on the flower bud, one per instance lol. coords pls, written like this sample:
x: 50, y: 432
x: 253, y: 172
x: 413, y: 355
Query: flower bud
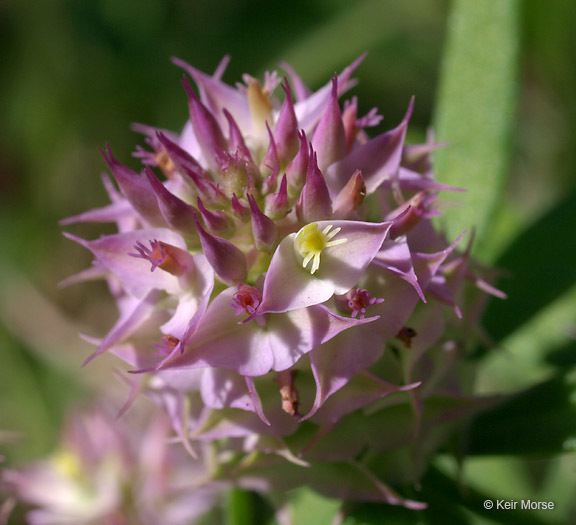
x: 314, y: 203
x: 228, y: 262
x: 240, y: 210
x: 217, y: 222
x: 263, y: 228
x: 296, y: 170
x: 408, y: 215
x: 175, y: 211
x: 351, y: 196
x: 136, y: 189
x: 205, y: 126
x: 329, y: 139
x: 277, y: 204
x: 260, y: 108
x: 286, y: 129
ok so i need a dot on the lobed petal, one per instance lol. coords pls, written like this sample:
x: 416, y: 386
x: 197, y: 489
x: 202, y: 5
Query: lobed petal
x: 112, y: 251
x: 289, y: 286
x: 253, y: 350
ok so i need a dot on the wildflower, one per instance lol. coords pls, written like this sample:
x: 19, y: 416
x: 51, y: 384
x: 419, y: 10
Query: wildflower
x: 114, y: 471
x: 284, y: 253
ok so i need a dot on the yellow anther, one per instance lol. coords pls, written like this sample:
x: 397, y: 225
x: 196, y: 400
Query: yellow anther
x: 165, y: 163
x: 260, y: 108
x: 68, y: 464
x: 311, y: 242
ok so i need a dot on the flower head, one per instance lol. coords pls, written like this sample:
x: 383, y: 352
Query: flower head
x: 107, y: 470
x: 288, y: 251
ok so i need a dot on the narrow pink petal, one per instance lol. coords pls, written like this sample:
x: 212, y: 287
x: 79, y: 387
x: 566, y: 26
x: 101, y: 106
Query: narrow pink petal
x: 309, y: 110
x: 206, y: 127
x: 363, y: 389
x: 335, y: 363
x: 136, y: 385
x: 111, y: 213
x: 225, y: 388
x: 128, y: 323
x: 300, y: 89
x: 409, y: 180
x: 96, y: 271
x: 378, y: 159
x: 112, y: 252
x: 256, y: 400
x: 217, y: 95
x: 395, y: 256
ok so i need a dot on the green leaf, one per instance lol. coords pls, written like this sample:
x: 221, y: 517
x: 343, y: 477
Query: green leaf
x: 541, y: 420
x: 243, y: 507
x: 543, y: 247
x: 239, y: 507
x: 353, y: 28
x: 33, y: 399
x: 534, y: 352
x: 394, y: 426
x: 376, y: 514
x: 441, y: 491
x: 476, y: 109
x: 533, y: 325
x: 309, y: 508
x: 448, y: 502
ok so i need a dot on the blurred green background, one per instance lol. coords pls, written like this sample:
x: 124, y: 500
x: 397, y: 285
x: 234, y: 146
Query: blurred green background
x: 75, y: 73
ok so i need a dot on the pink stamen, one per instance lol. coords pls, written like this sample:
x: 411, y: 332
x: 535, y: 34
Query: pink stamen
x: 246, y: 300
x: 156, y: 254
x: 167, y: 344
x: 359, y: 300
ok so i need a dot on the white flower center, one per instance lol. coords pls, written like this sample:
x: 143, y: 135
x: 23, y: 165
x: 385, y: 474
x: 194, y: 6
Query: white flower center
x: 310, y: 242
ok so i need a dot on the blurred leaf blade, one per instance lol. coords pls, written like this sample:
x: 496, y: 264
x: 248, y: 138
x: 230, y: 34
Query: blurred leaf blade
x: 310, y: 508
x: 540, y: 420
x: 447, y: 503
x: 538, y: 247
x: 239, y: 507
x: 479, y: 72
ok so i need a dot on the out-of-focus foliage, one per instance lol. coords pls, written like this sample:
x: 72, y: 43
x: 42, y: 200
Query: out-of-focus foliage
x: 74, y: 74
x: 476, y: 108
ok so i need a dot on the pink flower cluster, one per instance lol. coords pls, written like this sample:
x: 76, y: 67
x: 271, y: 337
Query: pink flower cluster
x: 278, y: 275
x: 107, y: 471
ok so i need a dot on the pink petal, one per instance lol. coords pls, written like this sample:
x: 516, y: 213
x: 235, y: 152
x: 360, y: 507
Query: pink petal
x: 112, y: 252
x: 289, y: 286
x: 217, y: 95
x: 378, y: 159
x: 309, y: 110
x: 128, y: 323
x: 252, y: 350
x: 225, y: 388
